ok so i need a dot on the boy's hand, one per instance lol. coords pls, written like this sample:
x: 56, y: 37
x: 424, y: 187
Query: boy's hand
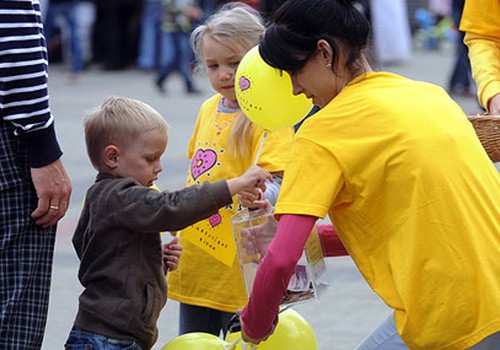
x: 250, y: 182
x: 171, y: 254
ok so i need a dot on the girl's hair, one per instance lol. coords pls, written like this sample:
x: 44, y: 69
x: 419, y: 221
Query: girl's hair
x: 235, y: 25
x: 298, y: 25
x: 238, y: 27
x: 118, y: 121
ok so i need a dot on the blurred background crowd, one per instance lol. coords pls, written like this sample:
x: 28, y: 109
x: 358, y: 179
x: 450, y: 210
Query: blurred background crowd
x: 153, y: 35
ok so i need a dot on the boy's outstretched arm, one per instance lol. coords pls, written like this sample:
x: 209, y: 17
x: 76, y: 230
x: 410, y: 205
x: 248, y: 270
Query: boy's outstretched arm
x: 147, y: 210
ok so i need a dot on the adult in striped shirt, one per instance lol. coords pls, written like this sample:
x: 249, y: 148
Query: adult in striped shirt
x: 34, y: 186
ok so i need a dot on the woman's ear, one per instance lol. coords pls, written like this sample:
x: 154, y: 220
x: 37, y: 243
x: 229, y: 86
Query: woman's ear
x: 110, y: 155
x: 325, y: 50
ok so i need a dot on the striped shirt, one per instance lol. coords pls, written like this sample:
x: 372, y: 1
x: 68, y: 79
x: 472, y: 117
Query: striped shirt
x: 24, y: 98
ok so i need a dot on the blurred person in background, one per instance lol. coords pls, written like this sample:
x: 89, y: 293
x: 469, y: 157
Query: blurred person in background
x: 116, y: 33
x: 391, y: 31
x: 461, y: 76
x: 177, y: 20
x: 86, y: 15
x: 481, y: 23
x: 67, y: 10
x: 267, y: 7
x: 149, y: 41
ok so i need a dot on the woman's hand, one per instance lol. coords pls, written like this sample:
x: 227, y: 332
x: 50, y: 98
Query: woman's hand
x: 256, y: 240
x: 255, y: 341
x: 494, y: 107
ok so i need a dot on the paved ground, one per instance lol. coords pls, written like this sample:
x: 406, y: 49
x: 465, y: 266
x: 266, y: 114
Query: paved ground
x: 344, y: 314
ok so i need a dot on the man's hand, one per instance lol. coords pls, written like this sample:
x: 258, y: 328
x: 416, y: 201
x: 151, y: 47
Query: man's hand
x: 53, y: 188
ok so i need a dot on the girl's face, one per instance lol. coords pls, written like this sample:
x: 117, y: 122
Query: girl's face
x: 221, y: 62
x: 140, y: 159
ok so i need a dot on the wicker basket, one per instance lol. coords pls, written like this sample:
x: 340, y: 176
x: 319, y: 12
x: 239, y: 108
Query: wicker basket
x: 488, y: 130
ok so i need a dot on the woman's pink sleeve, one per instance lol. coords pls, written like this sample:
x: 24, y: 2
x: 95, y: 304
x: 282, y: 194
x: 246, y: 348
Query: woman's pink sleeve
x: 274, y: 273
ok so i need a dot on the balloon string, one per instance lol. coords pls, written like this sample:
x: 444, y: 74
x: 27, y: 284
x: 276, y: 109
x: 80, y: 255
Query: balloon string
x: 233, y: 344
x: 245, y: 346
x: 260, y: 148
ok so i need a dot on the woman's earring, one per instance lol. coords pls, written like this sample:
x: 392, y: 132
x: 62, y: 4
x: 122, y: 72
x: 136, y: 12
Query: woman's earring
x: 329, y: 66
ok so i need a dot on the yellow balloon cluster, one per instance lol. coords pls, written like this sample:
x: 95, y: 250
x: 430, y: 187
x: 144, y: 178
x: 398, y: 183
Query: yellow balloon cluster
x: 292, y: 333
x: 265, y: 94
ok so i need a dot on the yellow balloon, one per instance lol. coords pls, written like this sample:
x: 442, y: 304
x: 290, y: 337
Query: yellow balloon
x: 265, y: 94
x: 198, y: 341
x: 292, y: 333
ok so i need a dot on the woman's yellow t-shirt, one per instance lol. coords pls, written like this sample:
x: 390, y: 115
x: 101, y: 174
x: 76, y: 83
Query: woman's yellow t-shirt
x: 200, y: 278
x: 415, y: 200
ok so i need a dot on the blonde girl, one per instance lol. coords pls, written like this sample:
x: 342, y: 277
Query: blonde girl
x: 224, y: 142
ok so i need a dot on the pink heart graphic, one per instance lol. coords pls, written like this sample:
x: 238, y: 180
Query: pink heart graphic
x: 215, y: 220
x: 203, y: 161
x: 244, y: 84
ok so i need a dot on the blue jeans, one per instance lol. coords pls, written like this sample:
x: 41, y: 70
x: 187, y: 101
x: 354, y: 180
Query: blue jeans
x: 80, y: 339
x: 149, y: 42
x: 203, y: 319
x: 175, y: 56
x: 68, y: 11
x: 386, y: 337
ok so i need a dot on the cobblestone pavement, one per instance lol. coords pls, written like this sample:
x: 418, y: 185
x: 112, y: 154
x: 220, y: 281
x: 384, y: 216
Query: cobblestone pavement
x: 346, y: 312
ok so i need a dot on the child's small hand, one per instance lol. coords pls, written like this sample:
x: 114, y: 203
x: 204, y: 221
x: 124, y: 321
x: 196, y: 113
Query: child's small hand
x: 255, y: 177
x: 171, y: 254
x: 252, y: 201
x: 252, y: 180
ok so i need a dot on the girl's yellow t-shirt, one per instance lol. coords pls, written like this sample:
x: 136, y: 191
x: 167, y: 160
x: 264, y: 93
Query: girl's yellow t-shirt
x: 415, y: 199
x: 200, y: 278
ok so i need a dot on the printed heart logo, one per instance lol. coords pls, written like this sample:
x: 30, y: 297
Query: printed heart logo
x: 202, y: 162
x: 244, y: 84
x: 215, y: 220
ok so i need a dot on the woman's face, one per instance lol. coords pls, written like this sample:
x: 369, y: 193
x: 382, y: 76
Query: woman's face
x: 317, y: 79
x: 221, y: 63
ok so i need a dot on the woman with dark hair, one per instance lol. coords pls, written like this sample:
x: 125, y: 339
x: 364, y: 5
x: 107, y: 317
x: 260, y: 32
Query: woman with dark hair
x: 398, y: 168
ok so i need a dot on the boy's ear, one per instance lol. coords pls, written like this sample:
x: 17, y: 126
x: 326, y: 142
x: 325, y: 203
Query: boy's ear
x: 110, y: 156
